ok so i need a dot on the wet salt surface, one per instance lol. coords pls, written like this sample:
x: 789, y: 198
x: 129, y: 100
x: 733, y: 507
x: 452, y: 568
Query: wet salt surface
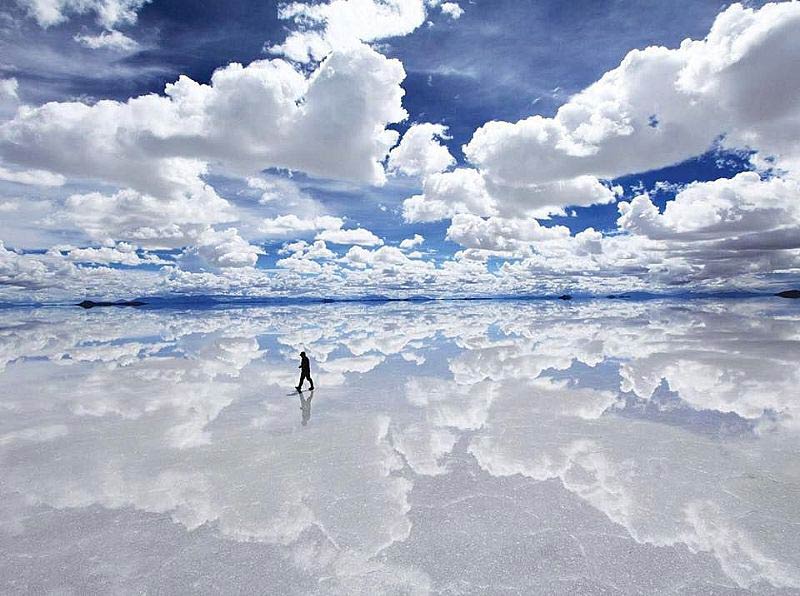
x: 450, y: 448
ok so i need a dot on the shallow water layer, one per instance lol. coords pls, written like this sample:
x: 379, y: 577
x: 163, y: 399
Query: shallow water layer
x: 449, y: 448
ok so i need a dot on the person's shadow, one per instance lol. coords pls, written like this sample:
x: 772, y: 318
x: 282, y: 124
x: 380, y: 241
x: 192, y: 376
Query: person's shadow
x: 305, y: 406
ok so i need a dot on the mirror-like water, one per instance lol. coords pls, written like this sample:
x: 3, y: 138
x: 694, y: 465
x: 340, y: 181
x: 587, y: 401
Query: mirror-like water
x: 451, y: 448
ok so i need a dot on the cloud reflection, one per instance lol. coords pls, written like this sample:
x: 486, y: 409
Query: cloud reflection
x: 190, y: 415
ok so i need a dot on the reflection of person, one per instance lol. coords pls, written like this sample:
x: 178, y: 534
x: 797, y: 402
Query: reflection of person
x: 305, y: 406
x: 305, y: 371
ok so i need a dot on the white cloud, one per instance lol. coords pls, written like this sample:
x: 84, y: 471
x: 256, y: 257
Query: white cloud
x: 17, y: 270
x: 110, y: 40
x: 412, y: 242
x: 146, y: 220
x: 9, y: 98
x: 726, y: 228
x: 444, y: 194
x: 341, y: 24
x: 156, y: 148
x: 303, y: 257
x: 420, y: 151
x: 123, y: 253
x: 266, y: 114
x: 281, y: 190
x: 108, y: 13
x: 303, y: 250
x: 736, y: 209
x: 290, y: 210
x: 385, y: 257
x: 360, y: 236
x: 52, y: 276
x: 661, y: 106
x: 725, y: 233
x: 288, y: 225
x: 467, y: 190
x: 153, y: 157
x: 213, y: 249
x: 8, y: 88
x: 31, y: 177
x: 658, y: 107
x: 500, y: 234
x: 299, y: 265
x: 452, y: 9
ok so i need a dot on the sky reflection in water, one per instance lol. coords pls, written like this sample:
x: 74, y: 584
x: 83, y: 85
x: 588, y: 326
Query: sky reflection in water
x: 492, y: 447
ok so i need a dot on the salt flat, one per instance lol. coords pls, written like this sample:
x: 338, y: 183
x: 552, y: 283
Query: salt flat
x: 499, y: 447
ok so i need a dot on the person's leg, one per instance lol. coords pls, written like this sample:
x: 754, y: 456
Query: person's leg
x: 300, y: 384
x: 310, y: 380
x: 303, y: 377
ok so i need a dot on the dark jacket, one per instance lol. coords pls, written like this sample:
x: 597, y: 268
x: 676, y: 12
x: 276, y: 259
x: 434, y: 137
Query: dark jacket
x: 305, y: 365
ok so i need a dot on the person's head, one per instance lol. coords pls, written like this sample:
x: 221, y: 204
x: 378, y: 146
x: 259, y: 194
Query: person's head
x: 302, y: 353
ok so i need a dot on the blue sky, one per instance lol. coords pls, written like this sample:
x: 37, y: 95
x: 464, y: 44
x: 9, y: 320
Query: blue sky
x: 516, y: 147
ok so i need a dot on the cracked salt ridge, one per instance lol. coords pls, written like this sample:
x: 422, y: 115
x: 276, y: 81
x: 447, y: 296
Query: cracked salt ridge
x: 540, y: 477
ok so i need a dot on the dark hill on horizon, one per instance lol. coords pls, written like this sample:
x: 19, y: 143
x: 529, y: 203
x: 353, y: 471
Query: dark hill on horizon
x: 91, y: 304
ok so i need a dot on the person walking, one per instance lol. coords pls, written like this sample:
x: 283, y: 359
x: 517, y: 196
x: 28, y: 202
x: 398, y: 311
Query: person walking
x: 305, y: 371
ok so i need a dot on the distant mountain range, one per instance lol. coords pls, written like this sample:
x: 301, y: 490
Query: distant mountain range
x: 214, y: 301
x: 92, y: 304
x: 228, y: 301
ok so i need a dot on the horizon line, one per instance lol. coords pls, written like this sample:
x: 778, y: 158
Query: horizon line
x: 211, y: 300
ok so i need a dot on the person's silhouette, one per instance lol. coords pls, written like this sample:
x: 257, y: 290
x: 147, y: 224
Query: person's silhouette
x: 305, y: 371
x: 305, y: 406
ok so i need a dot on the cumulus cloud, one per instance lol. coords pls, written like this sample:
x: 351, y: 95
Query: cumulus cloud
x: 8, y: 87
x: 342, y: 24
x: 54, y: 276
x: 108, y: 13
x: 409, y: 243
x: 386, y: 269
x: 724, y: 228
x: 658, y: 107
x: 360, y: 236
x: 299, y: 265
x: 661, y: 106
x: 303, y: 256
x: 467, y: 190
x: 420, y: 151
x: 20, y: 271
x: 154, y: 159
x: 452, y: 9
x: 214, y: 249
x: 156, y: 148
x: 303, y: 250
x: 143, y: 219
x: 283, y: 191
x: 266, y: 114
x: 288, y: 225
x: 501, y: 234
x: 123, y: 253
x: 445, y: 194
x: 725, y: 209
